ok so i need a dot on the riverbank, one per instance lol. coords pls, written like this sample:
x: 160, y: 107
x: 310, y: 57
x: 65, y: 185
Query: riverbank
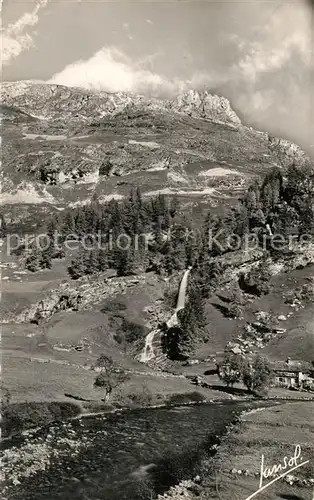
x: 273, y: 432
x: 21, y: 418
x: 157, y: 392
x: 113, y: 455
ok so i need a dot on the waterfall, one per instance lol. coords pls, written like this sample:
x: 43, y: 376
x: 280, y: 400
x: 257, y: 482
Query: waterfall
x: 148, y: 351
x: 182, y: 290
x: 181, y: 299
x: 269, y: 230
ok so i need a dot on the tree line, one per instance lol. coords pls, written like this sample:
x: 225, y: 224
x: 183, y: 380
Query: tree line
x: 277, y: 204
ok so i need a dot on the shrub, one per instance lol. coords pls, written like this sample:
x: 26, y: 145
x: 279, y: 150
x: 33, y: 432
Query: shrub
x: 142, y: 398
x: 105, y: 168
x: 17, y: 417
x: 184, y: 398
x: 256, y: 281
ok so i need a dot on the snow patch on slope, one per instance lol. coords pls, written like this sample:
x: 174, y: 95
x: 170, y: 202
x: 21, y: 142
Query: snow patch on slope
x: 218, y: 172
x: 148, y: 144
x: 26, y: 193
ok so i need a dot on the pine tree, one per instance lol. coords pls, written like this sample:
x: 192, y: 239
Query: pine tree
x: 79, y: 265
x: 131, y: 211
x: 93, y: 262
x: 272, y: 190
x: 53, y: 251
x: 299, y: 194
x: 123, y: 262
x: 45, y: 259
x: 192, y: 317
x: 32, y: 262
x: 80, y: 222
x: 102, y: 259
x: 116, y: 219
x: 192, y: 246
x: 142, y: 212
x: 158, y: 236
x: 68, y: 224
x: 174, y: 206
x: 252, y: 198
x: 177, y: 343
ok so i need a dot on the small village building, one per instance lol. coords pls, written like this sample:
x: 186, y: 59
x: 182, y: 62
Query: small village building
x: 293, y: 374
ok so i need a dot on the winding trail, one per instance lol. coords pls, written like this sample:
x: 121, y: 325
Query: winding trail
x: 148, y: 352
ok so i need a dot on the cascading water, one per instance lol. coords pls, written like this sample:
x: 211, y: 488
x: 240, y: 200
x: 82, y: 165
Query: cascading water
x: 148, y: 352
x: 182, y: 290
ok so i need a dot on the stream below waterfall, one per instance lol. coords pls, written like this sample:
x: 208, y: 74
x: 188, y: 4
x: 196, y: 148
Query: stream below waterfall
x: 116, y: 452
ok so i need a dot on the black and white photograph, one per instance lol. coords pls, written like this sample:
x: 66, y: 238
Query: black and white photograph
x: 157, y: 250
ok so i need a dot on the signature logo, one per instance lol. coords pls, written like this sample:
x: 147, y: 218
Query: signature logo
x: 288, y: 465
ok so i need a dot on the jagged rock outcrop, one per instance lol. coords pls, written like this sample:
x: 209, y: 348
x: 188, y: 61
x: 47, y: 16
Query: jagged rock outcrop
x: 62, y: 299
x: 70, y: 297
x: 49, y: 101
x: 57, y: 101
x: 205, y: 105
x: 287, y: 152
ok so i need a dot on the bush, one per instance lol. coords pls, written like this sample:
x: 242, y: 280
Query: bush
x: 129, y: 332
x: 141, y: 399
x: 17, y: 417
x: 133, y: 331
x: 105, y: 168
x: 185, y: 398
x: 256, y: 281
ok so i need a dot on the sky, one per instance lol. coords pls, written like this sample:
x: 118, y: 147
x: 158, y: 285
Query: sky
x: 259, y: 54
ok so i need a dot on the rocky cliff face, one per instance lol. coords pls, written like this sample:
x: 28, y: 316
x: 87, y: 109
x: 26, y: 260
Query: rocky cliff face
x: 81, y: 295
x: 287, y: 152
x: 49, y: 101
x: 205, y: 105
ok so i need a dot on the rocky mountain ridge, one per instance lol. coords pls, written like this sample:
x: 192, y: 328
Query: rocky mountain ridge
x: 47, y: 101
x: 61, y: 145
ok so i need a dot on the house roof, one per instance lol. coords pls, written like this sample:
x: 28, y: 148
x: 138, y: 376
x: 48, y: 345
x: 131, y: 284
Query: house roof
x: 291, y: 366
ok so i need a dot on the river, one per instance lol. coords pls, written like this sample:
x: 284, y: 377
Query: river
x: 120, y: 450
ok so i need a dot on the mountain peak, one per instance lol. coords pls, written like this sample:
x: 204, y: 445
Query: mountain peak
x: 206, y: 105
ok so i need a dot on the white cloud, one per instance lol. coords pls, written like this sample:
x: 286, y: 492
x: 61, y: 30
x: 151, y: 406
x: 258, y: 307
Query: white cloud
x: 270, y: 82
x: 111, y: 70
x: 274, y: 47
x: 14, y: 40
x: 287, y: 33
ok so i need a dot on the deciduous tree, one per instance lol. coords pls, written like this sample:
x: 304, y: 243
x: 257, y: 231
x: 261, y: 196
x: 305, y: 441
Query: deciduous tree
x: 110, y: 376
